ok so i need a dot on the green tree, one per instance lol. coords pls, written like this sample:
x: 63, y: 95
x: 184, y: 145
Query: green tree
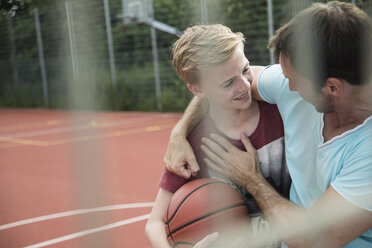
x: 12, y: 7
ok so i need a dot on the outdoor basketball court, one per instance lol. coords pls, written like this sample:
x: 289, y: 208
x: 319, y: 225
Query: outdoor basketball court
x: 79, y: 179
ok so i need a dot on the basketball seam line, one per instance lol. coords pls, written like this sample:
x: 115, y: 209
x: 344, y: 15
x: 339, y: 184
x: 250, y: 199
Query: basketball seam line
x: 169, y: 220
x: 203, y: 217
x: 187, y: 196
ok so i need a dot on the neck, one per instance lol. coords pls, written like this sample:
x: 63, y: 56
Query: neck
x: 233, y: 122
x: 344, y: 119
x: 356, y: 106
x: 349, y: 113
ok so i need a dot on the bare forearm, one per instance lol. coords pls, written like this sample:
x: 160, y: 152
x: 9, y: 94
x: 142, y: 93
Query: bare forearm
x: 332, y: 222
x: 286, y: 218
x: 274, y: 206
x: 179, y: 157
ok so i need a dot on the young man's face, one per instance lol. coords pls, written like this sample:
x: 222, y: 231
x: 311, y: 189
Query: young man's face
x: 227, y: 86
x: 322, y: 102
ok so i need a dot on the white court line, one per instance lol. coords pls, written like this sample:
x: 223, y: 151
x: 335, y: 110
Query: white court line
x: 89, y: 125
x: 90, y: 231
x: 76, y: 212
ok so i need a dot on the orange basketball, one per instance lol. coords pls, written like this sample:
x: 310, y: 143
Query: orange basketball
x: 204, y: 206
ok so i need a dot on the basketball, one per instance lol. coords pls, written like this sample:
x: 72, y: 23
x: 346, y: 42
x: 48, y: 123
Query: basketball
x: 204, y: 206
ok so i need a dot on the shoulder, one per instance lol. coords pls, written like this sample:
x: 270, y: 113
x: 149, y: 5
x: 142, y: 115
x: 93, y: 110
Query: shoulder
x: 270, y: 126
x: 275, y: 70
x: 271, y: 73
x: 271, y: 82
x: 361, y: 138
x: 270, y: 116
x: 269, y: 112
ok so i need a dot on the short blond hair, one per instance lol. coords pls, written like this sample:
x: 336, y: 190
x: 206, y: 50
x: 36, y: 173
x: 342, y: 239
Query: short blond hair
x: 203, y: 46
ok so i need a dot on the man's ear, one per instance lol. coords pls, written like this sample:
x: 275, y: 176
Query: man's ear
x: 334, y: 86
x: 196, y: 90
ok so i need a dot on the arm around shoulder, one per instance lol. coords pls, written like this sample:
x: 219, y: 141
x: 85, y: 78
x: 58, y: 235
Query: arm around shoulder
x: 179, y: 157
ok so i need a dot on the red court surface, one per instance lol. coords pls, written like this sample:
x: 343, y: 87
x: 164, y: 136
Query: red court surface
x: 79, y: 179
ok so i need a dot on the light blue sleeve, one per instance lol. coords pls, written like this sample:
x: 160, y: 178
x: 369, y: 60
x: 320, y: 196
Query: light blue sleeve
x: 354, y: 182
x: 272, y: 83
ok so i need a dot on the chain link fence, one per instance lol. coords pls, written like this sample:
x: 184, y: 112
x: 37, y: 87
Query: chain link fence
x: 79, y: 54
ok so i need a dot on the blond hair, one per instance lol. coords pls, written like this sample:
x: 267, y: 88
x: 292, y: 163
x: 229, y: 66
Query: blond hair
x: 203, y: 46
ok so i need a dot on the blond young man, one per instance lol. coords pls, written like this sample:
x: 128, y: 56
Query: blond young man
x: 211, y: 61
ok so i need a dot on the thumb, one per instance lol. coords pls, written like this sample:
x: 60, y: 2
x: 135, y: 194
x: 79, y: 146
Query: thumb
x: 185, y: 173
x: 246, y: 142
x: 193, y: 164
x: 180, y: 170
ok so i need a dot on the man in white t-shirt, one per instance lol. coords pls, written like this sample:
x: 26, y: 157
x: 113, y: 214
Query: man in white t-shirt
x: 323, y: 91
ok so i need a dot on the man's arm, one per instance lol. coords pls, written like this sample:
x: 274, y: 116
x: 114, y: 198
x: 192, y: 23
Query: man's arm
x: 343, y: 221
x: 179, y: 157
x: 332, y: 222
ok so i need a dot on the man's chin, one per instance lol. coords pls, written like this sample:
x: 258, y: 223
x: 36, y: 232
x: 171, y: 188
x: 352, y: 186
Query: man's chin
x: 324, y: 109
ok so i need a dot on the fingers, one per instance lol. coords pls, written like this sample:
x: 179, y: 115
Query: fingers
x: 207, y: 241
x: 250, y: 149
x: 180, y: 158
x: 183, y: 171
x: 215, y: 167
x: 214, y: 146
x: 224, y: 143
x: 212, y: 156
x: 192, y: 164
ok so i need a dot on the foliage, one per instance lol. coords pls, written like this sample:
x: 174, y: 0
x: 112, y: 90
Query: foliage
x: 20, y: 70
x: 11, y: 7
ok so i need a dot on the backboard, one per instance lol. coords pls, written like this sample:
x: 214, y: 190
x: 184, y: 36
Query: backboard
x: 136, y: 10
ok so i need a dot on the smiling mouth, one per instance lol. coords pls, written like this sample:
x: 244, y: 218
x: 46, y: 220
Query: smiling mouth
x: 242, y: 97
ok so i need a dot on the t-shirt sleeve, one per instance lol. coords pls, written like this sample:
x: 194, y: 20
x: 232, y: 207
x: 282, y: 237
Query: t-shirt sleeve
x: 170, y: 181
x: 271, y: 83
x: 354, y: 182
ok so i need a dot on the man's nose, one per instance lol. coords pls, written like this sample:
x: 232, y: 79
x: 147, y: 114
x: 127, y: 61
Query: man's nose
x: 243, y: 83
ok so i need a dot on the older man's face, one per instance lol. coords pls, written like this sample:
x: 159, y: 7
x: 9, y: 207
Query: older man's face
x: 322, y: 101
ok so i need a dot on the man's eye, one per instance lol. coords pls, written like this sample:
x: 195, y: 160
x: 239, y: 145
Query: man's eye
x: 228, y: 85
x: 246, y: 70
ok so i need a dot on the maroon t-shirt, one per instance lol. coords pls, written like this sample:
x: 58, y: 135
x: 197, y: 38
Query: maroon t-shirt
x: 268, y: 139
